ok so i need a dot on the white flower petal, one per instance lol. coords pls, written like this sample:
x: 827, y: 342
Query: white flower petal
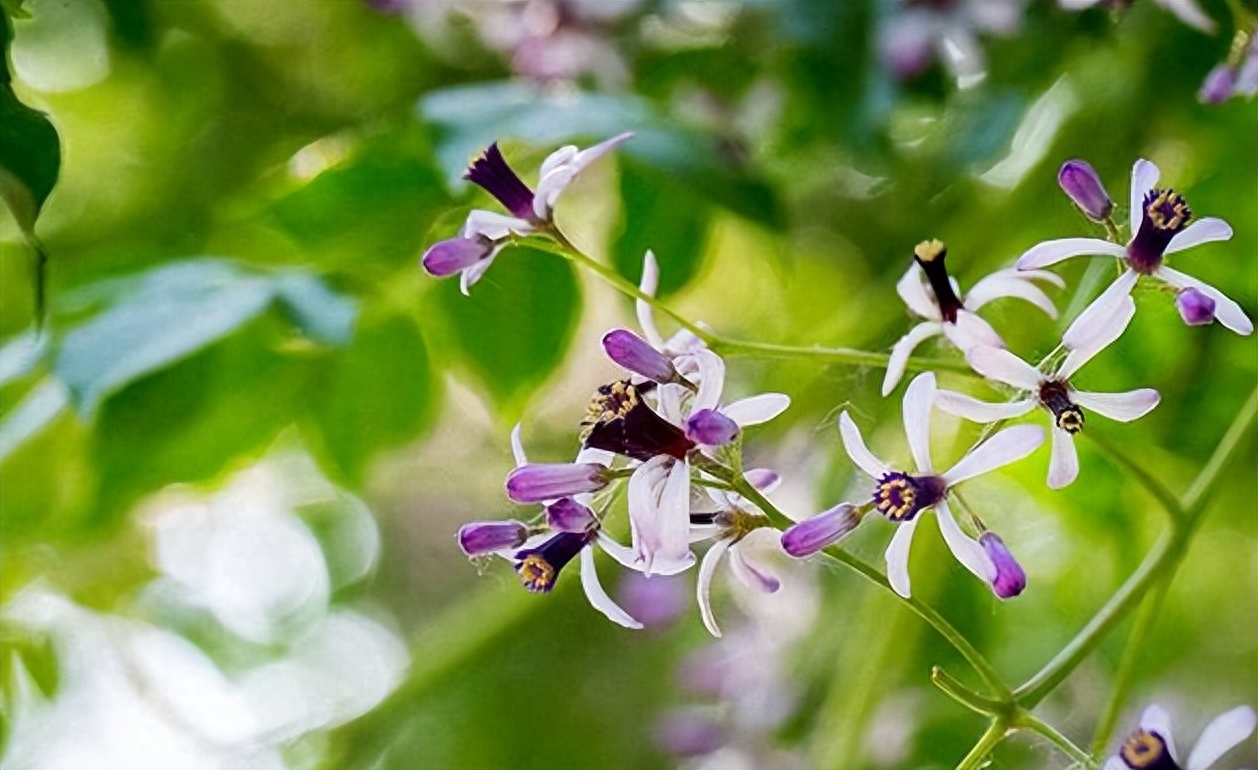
x: 493, y: 225
x: 897, y: 557
x: 711, y: 381
x: 659, y: 496
x: 561, y: 157
x: 517, y: 447
x: 1008, y: 283
x: 589, y: 454
x: 1226, y: 311
x: 1007, y: 446
x: 919, y: 397
x: 970, y: 330
x: 1114, y: 763
x: 1001, y: 365
x: 913, y: 292
x: 590, y: 154
x: 703, y: 586
x: 856, y: 449
x: 961, y: 405
x: 903, y: 349
x: 1227, y: 730
x: 1203, y: 230
x: 749, y: 570
x: 1052, y: 252
x: 1156, y: 720
x: 1104, y: 311
x: 1143, y: 176
x: 1063, y: 461
x: 599, y: 599
x: 1094, y: 336
x: 472, y: 274
x: 622, y: 554
x: 646, y: 314
x: 1123, y: 407
x: 549, y: 187
x: 757, y: 409
x: 967, y: 550
x: 1190, y: 13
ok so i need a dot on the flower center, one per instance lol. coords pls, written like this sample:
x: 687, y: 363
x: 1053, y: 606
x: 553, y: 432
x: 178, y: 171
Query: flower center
x: 899, y: 496
x: 930, y: 255
x: 539, y: 567
x: 1055, y: 397
x: 1166, y: 213
x: 1147, y: 751
x: 619, y: 421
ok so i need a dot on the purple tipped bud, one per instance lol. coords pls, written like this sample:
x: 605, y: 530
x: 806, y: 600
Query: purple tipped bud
x: 1010, y: 579
x: 762, y: 478
x: 450, y: 256
x: 1218, y: 86
x: 636, y: 354
x: 1080, y: 181
x: 826, y: 528
x: 1195, y: 308
x: 481, y: 537
x: 537, y: 483
x: 567, y: 515
x: 710, y: 427
x: 688, y: 733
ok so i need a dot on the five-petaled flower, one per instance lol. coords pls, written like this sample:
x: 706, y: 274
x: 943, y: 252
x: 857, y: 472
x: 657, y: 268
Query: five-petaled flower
x: 900, y: 496
x: 947, y: 313
x: 485, y: 233
x: 1152, y: 747
x: 1161, y: 225
x: 1054, y: 392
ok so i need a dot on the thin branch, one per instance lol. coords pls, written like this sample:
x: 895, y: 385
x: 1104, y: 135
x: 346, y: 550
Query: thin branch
x: 1081, y: 757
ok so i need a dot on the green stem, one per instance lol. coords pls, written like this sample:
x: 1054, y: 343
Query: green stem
x: 1164, y: 496
x: 964, y: 695
x: 994, y: 734
x: 1194, y: 499
x: 1081, y: 757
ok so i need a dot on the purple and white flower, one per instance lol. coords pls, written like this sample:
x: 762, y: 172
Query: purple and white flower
x: 1232, y: 78
x: 1161, y: 225
x: 918, y: 33
x: 947, y: 313
x: 900, y: 496
x: 485, y: 233
x: 1083, y: 186
x: 1054, y: 392
x: 1187, y: 10
x: 1152, y: 746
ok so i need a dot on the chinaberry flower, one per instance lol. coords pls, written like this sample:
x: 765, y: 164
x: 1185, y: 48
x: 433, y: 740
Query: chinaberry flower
x: 1053, y: 391
x: 1161, y: 225
x: 900, y: 496
x: 478, y: 538
x: 485, y: 233
x: 821, y: 531
x: 1229, y: 79
x: 1152, y: 747
x: 1083, y: 186
x: 947, y: 313
x: 1187, y: 10
x: 1009, y: 579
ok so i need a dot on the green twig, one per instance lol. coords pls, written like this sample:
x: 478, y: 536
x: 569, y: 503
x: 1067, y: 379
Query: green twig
x: 994, y: 734
x: 1164, y: 496
x: 1081, y: 757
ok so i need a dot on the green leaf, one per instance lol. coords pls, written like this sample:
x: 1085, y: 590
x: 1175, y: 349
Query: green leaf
x: 33, y: 413
x: 321, y: 314
x: 378, y: 393
x: 514, y: 329
x: 30, y: 158
x: 651, y: 221
x: 20, y: 355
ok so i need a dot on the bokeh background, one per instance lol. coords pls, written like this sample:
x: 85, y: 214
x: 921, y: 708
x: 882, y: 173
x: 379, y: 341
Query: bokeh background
x: 234, y: 465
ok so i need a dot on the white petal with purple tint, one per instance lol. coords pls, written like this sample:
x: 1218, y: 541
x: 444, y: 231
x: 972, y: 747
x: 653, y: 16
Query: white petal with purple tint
x: 1086, y: 341
x: 473, y: 274
x: 914, y: 293
x: 971, y: 330
x: 856, y: 449
x: 749, y: 560
x: 1226, y: 311
x: 1007, y: 446
x: 1225, y: 731
x: 659, y: 496
x: 711, y: 381
x: 599, y: 599
x: 1143, y: 176
x: 1204, y: 230
x: 961, y: 405
x: 897, y: 557
x: 967, y: 550
x: 646, y: 314
x: 1104, y: 311
x: 903, y: 349
x: 1156, y: 720
x: 623, y: 555
x: 1001, y: 365
x: 1123, y: 407
x: 1009, y: 283
x: 1052, y: 252
x: 517, y: 447
x: 493, y: 225
x: 757, y: 409
x: 1063, y: 460
x: 919, y: 397
x: 703, y: 585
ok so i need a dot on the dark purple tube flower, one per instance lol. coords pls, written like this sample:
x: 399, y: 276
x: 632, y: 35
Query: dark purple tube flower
x: 1010, y: 580
x: 710, y: 428
x: 620, y: 421
x: 1083, y: 185
x: 534, y: 483
x: 1194, y: 307
x: 478, y: 538
x: 567, y: 515
x: 539, y: 567
x: 636, y: 354
x: 826, y: 528
x: 491, y: 172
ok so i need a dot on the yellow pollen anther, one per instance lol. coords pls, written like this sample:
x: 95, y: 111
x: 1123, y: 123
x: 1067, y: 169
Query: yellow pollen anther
x: 929, y: 251
x: 612, y: 402
x: 1070, y: 420
x: 889, y: 491
x: 1143, y: 749
x: 536, y: 573
x: 1179, y: 211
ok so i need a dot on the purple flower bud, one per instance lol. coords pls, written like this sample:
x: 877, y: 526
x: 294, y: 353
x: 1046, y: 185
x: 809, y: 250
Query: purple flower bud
x: 536, y: 483
x: 688, y: 733
x: 1195, y: 308
x: 710, y: 427
x: 826, y: 528
x: 1218, y: 85
x: 636, y: 354
x: 762, y: 478
x: 450, y: 256
x: 1010, y: 579
x: 567, y: 515
x: 1080, y: 181
x: 481, y: 537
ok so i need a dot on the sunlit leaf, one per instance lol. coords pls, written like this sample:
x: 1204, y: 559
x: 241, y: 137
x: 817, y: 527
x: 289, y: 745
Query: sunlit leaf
x: 650, y: 222
x: 30, y: 158
x: 322, y: 314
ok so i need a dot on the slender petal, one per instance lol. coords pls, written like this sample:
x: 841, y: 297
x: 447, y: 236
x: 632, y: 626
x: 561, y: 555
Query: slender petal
x: 1007, y: 446
x: 1052, y: 252
x: 703, y: 585
x: 903, y: 349
x: 623, y: 555
x: 494, y: 226
x: 1143, y: 176
x: 1103, y: 311
x: 1190, y: 13
x: 971, y: 408
x: 646, y: 314
x: 971, y: 330
x: 919, y: 397
x: 1204, y: 230
x: 711, y: 381
x: 599, y: 599
x: 897, y: 557
x: 1156, y: 720
x: 748, y: 560
x: 1063, y: 462
x: 562, y: 167
x: 561, y: 157
x: 1123, y: 407
x: 856, y: 449
x: 913, y: 292
x: 1001, y: 365
x: 757, y: 409
x: 473, y: 274
x: 967, y: 550
x: 993, y: 287
x: 1227, y: 730
x: 1225, y: 310
x: 517, y: 447
x: 1093, y: 337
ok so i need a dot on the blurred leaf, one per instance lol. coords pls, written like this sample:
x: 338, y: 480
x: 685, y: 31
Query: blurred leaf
x: 133, y: 23
x: 21, y: 355
x: 322, y: 314
x: 378, y: 393
x: 514, y: 329
x: 34, y: 412
x: 651, y: 221
x: 30, y: 158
